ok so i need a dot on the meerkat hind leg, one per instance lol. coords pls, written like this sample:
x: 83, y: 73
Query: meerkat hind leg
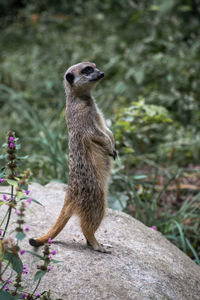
x: 63, y: 218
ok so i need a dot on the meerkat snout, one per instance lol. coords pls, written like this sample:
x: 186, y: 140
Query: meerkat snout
x: 101, y: 75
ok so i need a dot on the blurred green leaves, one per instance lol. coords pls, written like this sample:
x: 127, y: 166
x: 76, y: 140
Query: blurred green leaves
x: 138, y: 128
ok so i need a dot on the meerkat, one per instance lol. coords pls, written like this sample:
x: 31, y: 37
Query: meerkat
x: 91, y: 146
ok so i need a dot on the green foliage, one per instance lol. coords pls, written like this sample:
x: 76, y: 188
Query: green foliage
x: 144, y: 199
x: 5, y: 296
x: 149, y: 51
x: 138, y: 129
x: 14, y: 261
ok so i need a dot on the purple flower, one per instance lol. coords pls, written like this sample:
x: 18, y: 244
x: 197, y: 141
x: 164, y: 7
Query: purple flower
x: 6, y: 288
x: 25, y: 270
x: 8, y: 281
x: 29, y: 200
x: 17, y: 212
x: 11, y: 139
x: 4, y: 197
x: 22, y: 252
x: 50, y: 241
x: 53, y: 252
x: 12, y: 145
x: 2, y: 180
x: 49, y: 268
x: 24, y: 295
x: 37, y: 295
x: 27, y: 192
x: 26, y: 228
x: 154, y: 227
x: 0, y: 232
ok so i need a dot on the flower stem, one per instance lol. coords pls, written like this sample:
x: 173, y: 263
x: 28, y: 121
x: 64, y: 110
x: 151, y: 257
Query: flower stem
x: 4, y: 217
x: 9, y: 213
x: 8, y: 219
x: 8, y: 263
x: 36, y: 286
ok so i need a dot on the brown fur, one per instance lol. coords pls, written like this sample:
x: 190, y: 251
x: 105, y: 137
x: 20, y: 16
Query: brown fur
x: 91, y: 144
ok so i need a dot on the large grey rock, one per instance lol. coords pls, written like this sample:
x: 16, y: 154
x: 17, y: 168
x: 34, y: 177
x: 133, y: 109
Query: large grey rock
x: 143, y: 264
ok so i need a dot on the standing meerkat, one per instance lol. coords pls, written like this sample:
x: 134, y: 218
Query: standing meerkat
x: 91, y: 146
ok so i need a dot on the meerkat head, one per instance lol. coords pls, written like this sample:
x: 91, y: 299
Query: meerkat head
x: 81, y: 78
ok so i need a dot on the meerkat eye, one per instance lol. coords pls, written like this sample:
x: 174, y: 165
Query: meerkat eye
x: 87, y: 70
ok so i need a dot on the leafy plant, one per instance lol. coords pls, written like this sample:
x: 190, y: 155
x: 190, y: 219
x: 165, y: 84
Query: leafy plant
x: 10, y: 252
x: 138, y: 129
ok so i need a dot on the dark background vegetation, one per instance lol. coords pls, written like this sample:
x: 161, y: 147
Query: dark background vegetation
x: 150, y: 53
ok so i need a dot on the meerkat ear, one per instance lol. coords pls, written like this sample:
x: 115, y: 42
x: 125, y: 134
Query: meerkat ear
x: 69, y: 77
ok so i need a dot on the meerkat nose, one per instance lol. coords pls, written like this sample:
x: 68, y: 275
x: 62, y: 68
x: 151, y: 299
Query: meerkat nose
x: 101, y: 75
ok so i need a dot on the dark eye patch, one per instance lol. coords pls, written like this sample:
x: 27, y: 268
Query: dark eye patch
x: 69, y: 77
x: 87, y: 70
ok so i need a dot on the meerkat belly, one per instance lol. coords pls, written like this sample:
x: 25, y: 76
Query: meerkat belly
x: 88, y: 169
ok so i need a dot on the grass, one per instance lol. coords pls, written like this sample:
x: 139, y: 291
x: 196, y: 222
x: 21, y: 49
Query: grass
x: 177, y: 219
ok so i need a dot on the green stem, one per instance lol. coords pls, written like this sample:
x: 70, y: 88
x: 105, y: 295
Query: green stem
x: 4, y: 218
x: 9, y: 212
x: 6, y: 267
x: 36, y: 286
x: 8, y: 220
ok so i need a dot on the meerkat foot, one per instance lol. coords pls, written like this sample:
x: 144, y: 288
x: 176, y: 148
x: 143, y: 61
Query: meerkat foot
x: 100, y: 247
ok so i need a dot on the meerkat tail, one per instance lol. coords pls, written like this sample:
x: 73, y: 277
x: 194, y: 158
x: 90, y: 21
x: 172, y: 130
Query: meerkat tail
x: 60, y: 223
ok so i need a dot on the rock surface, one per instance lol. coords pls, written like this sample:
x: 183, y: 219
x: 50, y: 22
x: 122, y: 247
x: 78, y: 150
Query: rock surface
x: 142, y: 265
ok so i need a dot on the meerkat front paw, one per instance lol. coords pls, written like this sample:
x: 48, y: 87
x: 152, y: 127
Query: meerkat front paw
x: 113, y: 154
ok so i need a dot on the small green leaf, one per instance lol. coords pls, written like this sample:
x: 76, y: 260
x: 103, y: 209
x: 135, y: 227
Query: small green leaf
x: 2, y: 156
x: 5, y: 296
x: 166, y: 5
x: 24, y: 187
x: 37, y: 202
x: 39, y: 275
x: 14, y: 261
x: 19, y: 194
x: 12, y: 182
x: 139, y: 76
x: 56, y: 261
x: 22, y: 157
x: 20, y: 236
